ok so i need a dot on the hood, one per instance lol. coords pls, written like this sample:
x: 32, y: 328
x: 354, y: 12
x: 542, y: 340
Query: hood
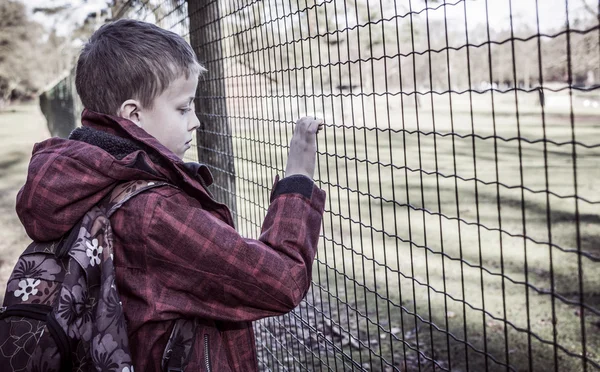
x: 67, y: 177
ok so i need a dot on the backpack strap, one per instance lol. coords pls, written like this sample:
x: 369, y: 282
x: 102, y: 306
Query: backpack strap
x: 178, y: 350
x: 113, y: 201
x: 125, y: 191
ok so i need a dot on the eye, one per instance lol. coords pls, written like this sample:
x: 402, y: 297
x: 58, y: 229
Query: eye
x: 185, y: 110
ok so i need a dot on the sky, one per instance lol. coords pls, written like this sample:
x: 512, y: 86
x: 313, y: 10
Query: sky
x: 552, y: 13
x: 68, y: 20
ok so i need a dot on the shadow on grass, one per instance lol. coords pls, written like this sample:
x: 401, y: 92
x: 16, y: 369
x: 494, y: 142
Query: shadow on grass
x: 353, y: 334
x: 450, y: 351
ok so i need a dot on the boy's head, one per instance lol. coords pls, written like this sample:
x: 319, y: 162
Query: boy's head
x: 143, y: 73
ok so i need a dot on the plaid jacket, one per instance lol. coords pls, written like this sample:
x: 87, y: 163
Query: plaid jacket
x: 177, y: 253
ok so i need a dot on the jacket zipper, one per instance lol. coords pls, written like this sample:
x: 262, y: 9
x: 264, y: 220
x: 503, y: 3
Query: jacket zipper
x: 206, y: 354
x: 43, y: 313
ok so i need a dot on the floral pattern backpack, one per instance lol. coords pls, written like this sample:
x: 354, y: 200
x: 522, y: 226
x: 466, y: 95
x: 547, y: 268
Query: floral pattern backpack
x: 61, y: 308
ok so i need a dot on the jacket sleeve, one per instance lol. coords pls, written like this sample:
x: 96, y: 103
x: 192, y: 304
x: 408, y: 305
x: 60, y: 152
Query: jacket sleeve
x: 206, y: 269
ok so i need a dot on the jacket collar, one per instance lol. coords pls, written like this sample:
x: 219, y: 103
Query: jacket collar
x: 121, y: 137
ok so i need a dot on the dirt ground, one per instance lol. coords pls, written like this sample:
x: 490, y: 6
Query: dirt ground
x: 20, y: 128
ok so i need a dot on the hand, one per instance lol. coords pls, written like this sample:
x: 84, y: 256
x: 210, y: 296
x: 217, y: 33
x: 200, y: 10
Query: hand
x: 303, y: 147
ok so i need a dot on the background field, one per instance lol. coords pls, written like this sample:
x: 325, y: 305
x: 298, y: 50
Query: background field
x: 386, y: 204
x: 20, y: 127
x: 423, y: 245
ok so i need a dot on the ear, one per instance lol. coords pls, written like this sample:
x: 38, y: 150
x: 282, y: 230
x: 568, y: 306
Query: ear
x: 130, y: 110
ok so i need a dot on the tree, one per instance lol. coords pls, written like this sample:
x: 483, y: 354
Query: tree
x: 29, y: 57
x: 14, y: 37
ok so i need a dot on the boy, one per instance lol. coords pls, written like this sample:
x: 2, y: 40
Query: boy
x: 177, y: 254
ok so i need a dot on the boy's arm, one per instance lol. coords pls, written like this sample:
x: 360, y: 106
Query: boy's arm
x: 210, y: 271
x: 201, y: 267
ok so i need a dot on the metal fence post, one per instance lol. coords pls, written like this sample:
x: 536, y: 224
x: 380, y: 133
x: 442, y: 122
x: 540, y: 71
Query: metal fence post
x: 214, y: 141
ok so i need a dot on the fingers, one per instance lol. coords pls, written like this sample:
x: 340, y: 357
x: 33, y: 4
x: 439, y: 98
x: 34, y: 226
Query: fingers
x: 309, y: 125
x: 321, y: 126
x: 303, y: 147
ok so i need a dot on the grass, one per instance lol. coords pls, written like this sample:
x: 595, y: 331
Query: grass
x: 441, y: 260
x: 20, y: 127
x: 378, y: 292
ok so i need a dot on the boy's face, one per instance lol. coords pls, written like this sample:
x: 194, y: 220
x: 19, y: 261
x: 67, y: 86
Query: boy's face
x: 172, y: 119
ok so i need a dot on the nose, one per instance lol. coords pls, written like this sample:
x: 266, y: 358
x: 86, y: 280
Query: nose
x: 194, y: 123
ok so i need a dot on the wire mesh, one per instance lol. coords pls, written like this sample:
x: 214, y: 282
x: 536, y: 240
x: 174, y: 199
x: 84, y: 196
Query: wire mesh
x: 462, y: 225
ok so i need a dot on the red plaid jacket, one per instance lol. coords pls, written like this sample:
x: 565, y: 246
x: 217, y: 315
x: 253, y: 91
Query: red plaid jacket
x: 176, y: 251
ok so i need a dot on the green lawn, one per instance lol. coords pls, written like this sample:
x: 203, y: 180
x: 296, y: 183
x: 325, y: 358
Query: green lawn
x: 443, y: 253
x: 20, y: 127
x: 414, y: 238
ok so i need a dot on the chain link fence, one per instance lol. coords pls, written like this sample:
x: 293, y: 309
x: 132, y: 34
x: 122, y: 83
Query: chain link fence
x: 460, y: 158
x: 61, y: 106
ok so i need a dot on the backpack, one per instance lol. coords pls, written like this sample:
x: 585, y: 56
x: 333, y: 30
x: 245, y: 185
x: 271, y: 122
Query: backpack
x: 61, y: 309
